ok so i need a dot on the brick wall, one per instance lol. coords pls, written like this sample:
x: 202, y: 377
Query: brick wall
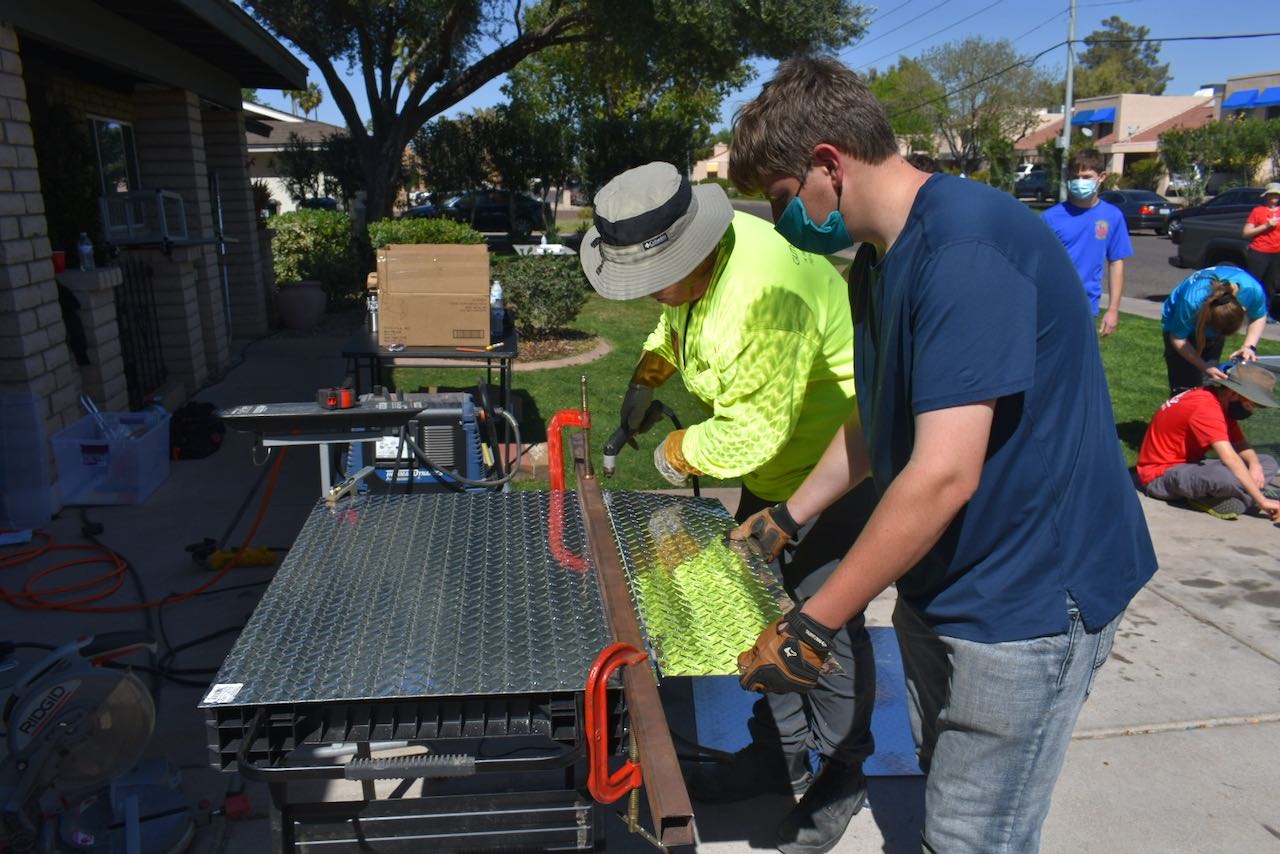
x: 33, y: 349
x: 169, y: 135
x: 227, y: 154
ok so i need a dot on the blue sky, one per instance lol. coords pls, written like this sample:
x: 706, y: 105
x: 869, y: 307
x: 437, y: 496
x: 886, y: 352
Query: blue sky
x: 910, y: 27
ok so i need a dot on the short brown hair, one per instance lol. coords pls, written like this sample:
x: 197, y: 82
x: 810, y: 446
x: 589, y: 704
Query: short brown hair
x: 1087, y: 160
x: 810, y: 100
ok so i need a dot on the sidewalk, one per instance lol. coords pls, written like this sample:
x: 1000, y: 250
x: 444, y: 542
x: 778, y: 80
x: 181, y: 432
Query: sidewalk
x: 1176, y: 752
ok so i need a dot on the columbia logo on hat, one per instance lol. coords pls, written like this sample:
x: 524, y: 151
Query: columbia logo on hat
x: 656, y: 241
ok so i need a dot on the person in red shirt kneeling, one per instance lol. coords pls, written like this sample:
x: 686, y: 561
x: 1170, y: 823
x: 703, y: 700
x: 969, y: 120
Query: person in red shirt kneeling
x: 1172, y: 464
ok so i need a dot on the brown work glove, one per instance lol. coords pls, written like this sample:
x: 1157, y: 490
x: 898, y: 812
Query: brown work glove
x: 789, y: 656
x: 771, y: 527
x: 669, y: 459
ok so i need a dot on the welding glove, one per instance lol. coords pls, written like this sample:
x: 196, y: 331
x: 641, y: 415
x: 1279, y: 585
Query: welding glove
x: 651, y: 371
x: 771, y: 527
x: 669, y: 459
x: 788, y: 657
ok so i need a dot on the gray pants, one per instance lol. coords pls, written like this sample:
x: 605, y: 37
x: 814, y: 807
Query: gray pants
x: 1207, y: 479
x: 835, y: 717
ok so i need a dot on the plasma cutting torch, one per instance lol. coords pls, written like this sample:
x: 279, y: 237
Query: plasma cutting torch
x: 624, y: 435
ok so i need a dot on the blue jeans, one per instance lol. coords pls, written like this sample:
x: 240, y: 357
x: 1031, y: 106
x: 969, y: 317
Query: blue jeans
x: 992, y: 722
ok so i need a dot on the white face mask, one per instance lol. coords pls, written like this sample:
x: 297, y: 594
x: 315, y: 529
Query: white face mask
x: 1081, y: 188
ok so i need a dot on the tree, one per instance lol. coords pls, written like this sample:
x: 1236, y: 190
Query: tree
x: 417, y: 58
x: 298, y: 163
x: 1117, y: 59
x: 311, y: 98
x: 250, y: 96
x: 908, y: 93
x: 988, y: 94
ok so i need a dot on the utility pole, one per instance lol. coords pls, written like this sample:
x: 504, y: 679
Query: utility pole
x: 1065, y: 143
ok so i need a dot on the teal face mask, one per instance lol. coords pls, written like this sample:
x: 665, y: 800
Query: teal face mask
x: 1081, y: 188
x: 802, y: 233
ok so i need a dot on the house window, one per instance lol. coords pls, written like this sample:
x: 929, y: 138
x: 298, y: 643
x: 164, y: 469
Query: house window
x: 117, y: 159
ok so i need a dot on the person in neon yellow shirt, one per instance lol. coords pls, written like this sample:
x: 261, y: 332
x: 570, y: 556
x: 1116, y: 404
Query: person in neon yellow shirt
x: 762, y: 336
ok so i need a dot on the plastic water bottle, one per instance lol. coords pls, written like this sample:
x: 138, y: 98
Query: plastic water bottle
x: 497, y: 311
x: 85, y: 249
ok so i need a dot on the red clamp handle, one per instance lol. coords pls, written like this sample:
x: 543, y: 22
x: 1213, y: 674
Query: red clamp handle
x: 555, y: 447
x: 605, y: 787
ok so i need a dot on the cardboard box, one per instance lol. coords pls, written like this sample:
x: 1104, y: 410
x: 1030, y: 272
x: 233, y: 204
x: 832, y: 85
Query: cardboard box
x: 433, y: 295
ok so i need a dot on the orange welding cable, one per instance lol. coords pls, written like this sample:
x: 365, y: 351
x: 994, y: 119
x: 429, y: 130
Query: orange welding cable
x: 30, y: 598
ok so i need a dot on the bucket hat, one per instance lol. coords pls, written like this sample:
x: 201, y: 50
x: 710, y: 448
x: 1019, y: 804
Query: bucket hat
x: 652, y: 228
x: 1272, y: 189
x: 1253, y: 382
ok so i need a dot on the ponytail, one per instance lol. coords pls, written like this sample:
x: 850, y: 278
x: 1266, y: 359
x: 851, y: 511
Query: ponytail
x: 1221, y: 311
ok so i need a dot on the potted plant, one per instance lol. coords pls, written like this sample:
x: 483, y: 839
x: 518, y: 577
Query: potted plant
x: 314, y: 260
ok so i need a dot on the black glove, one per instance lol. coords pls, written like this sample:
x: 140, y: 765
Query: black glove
x: 771, y: 527
x: 635, y: 405
x: 789, y: 656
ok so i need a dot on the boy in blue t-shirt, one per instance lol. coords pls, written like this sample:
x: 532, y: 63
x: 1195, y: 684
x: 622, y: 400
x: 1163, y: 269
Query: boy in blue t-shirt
x: 1093, y: 231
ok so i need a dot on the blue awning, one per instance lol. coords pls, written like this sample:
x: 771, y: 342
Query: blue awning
x: 1242, y: 100
x: 1106, y: 114
x: 1269, y: 97
x: 1083, y: 118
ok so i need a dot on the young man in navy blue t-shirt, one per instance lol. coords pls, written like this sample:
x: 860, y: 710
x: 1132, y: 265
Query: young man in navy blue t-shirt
x: 1006, y: 515
x: 1094, y: 233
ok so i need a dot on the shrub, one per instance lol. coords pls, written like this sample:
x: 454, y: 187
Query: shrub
x: 1143, y: 174
x: 318, y: 244
x: 545, y: 292
x: 422, y: 230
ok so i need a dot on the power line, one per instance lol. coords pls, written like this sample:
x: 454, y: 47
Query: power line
x: 1032, y: 60
x: 1049, y: 20
x: 931, y: 35
x: 897, y: 8
x: 894, y: 30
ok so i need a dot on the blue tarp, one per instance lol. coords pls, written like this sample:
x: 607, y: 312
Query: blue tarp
x: 1242, y: 100
x: 1106, y: 114
x: 1083, y: 118
x: 1270, y: 97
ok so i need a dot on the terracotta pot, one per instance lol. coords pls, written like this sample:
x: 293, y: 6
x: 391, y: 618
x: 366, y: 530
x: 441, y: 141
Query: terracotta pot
x: 301, y: 304
x: 59, y: 261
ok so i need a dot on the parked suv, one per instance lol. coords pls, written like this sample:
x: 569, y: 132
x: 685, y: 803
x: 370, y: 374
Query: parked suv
x: 488, y: 210
x: 1235, y: 200
x: 1035, y: 183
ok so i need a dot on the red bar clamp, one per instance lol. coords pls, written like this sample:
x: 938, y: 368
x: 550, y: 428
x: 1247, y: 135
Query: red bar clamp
x: 555, y: 442
x: 605, y: 787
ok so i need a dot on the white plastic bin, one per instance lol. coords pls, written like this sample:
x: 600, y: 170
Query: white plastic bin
x: 26, y: 500
x: 122, y: 468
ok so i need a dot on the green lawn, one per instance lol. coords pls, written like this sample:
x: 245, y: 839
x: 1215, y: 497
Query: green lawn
x: 1132, y: 357
x: 1134, y: 361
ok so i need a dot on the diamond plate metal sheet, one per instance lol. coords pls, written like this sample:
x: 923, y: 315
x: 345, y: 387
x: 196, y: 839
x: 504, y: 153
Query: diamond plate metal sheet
x: 700, y: 601
x: 408, y: 596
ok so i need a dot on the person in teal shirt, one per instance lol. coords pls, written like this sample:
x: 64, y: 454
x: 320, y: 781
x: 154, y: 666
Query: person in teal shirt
x: 1197, y: 317
x: 762, y: 336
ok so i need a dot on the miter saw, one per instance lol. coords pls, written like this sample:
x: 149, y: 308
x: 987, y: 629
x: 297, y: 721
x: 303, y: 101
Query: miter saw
x: 73, y: 730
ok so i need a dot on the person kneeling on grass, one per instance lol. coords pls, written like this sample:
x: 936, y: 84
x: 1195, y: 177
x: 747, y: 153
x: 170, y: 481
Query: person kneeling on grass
x: 1172, y: 464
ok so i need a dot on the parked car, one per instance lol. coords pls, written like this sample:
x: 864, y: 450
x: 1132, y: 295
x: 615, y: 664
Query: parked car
x: 1211, y: 239
x: 488, y: 210
x: 1035, y: 183
x: 1025, y: 169
x: 322, y: 204
x: 1142, y: 208
x: 1235, y: 200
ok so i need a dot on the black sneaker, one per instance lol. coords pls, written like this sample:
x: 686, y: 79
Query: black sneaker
x: 816, y: 824
x: 754, y: 770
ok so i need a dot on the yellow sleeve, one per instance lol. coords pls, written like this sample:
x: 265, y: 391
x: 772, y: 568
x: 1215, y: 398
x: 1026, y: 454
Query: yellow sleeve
x: 659, y: 340
x: 762, y: 390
